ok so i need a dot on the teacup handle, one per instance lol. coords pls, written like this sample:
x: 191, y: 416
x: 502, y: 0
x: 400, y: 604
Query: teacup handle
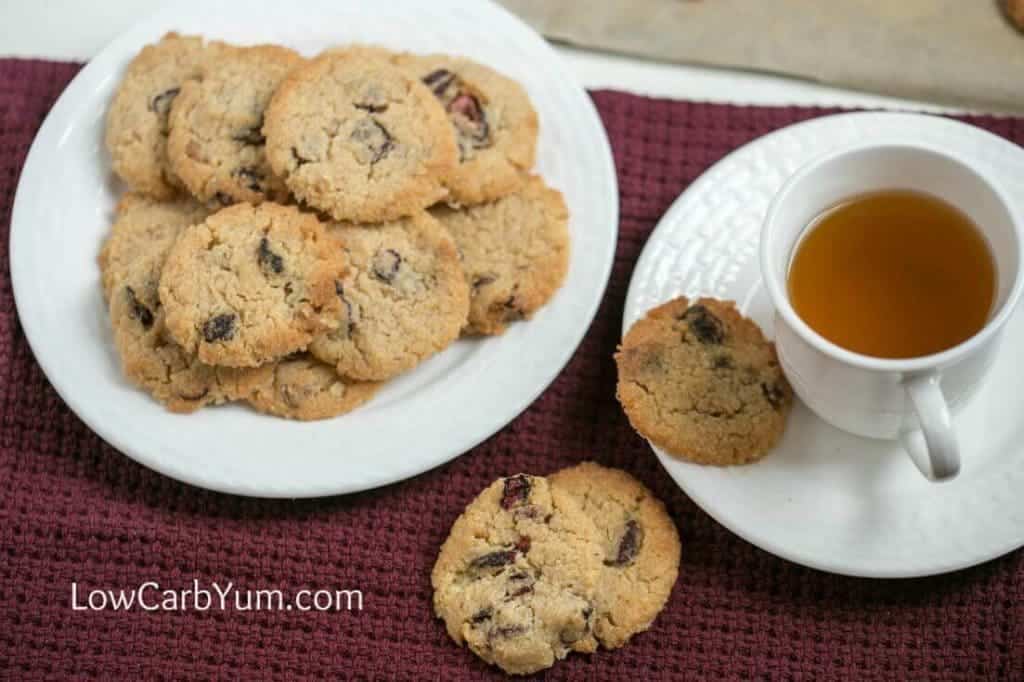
x: 937, y: 454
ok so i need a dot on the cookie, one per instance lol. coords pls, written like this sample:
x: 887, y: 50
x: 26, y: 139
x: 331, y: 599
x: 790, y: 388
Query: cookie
x: 251, y: 284
x: 359, y: 139
x: 515, y: 252
x: 151, y: 360
x: 1015, y: 12
x: 303, y: 388
x: 137, y: 121
x: 216, y: 144
x: 404, y: 299
x: 495, y: 124
x: 701, y: 381
x: 515, y: 579
x: 640, y: 548
x: 143, y: 228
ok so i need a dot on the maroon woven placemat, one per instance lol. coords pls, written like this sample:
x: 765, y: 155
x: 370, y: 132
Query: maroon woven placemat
x: 72, y: 509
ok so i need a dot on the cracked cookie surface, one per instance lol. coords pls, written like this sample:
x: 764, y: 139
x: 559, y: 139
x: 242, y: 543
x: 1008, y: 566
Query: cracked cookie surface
x: 702, y: 382
x: 137, y: 121
x: 640, y: 548
x: 359, y: 138
x: 515, y: 253
x: 251, y: 284
x: 405, y: 298
x: 144, y: 229
x: 515, y: 579
x: 304, y: 388
x: 216, y: 144
x: 151, y: 360
x: 495, y: 125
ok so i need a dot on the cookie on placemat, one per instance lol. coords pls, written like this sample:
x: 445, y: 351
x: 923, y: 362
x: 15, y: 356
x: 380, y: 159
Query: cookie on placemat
x: 137, y: 122
x: 515, y: 252
x: 151, y: 360
x: 251, y: 284
x: 359, y: 138
x: 404, y: 299
x: 702, y: 382
x: 515, y: 579
x: 303, y: 388
x: 216, y: 144
x: 495, y: 124
x: 1015, y: 12
x: 144, y: 228
x: 641, y: 548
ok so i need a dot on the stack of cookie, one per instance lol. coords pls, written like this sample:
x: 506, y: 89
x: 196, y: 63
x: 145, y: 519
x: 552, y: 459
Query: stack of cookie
x: 538, y: 567
x: 299, y: 231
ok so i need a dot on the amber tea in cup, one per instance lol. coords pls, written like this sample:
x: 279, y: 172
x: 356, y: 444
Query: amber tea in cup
x: 893, y: 274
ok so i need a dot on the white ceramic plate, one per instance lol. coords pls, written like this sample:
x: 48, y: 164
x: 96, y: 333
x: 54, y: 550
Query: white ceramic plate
x: 446, y: 406
x: 824, y: 498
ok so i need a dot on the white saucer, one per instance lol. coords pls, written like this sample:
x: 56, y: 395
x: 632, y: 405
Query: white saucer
x: 824, y: 498
x: 445, y: 406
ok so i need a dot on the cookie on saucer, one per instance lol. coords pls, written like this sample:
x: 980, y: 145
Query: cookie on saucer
x: 699, y: 380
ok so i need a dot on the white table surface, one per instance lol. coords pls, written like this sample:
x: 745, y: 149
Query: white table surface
x: 77, y: 30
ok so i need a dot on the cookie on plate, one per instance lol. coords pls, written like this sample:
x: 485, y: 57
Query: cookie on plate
x: 359, y: 139
x: 515, y: 579
x: 144, y: 228
x: 216, y: 144
x: 495, y: 124
x: 303, y: 388
x: 404, y: 299
x: 702, y: 382
x: 515, y: 252
x: 151, y: 360
x: 640, y: 544
x: 251, y: 284
x: 137, y: 122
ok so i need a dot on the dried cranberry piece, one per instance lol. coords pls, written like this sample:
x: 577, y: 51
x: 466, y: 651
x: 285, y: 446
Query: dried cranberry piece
x: 482, y: 615
x: 439, y: 80
x: 339, y: 289
x: 516, y: 491
x: 469, y: 118
x: 523, y: 543
x: 161, y: 104
x: 374, y: 137
x: 137, y: 310
x: 385, y: 264
x: 219, y: 328
x: 268, y: 259
x: 706, y: 327
x: 502, y: 557
x: 629, y: 545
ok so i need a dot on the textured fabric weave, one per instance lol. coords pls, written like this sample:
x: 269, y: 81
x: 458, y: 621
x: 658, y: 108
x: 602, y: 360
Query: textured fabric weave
x: 74, y: 509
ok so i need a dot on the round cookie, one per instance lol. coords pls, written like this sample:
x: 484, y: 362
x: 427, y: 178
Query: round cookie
x: 306, y: 389
x: 404, y: 299
x: 251, y: 284
x: 640, y: 544
x: 137, y: 121
x: 702, y: 382
x: 515, y: 579
x: 495, y: 124
x: 143, y: 228
x: 151, y: 360
x: 515, y: 252
x: 216, y: 144
x: 359, y: 138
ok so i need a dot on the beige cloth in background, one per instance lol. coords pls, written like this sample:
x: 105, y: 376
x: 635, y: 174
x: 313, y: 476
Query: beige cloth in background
x: 961, y: 52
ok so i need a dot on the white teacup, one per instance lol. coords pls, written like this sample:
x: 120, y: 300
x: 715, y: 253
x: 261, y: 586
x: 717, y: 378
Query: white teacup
x: 910, y: 399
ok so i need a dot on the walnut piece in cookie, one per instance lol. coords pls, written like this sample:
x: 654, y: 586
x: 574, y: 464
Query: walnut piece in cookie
x: 515, y: 252
x: 216, y: 144
x: 251, y: 284
x: 359, y: 139
x: 702, y: 382
x: 641, y: 548
x: 515, y: 580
